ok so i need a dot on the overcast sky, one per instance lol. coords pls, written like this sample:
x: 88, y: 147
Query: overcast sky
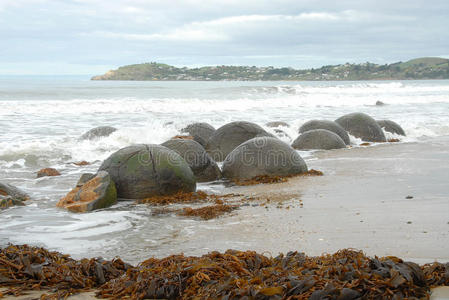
x: 93, y: 36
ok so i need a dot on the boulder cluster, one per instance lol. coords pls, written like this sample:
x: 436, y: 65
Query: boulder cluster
x: 245, y: 149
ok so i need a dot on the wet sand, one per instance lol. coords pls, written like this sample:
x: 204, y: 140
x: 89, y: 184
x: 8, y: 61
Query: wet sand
x: 361, y: 202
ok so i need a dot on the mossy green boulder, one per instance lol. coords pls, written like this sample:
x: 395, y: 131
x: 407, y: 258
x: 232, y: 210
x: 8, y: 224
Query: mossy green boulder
x: 143, y: 171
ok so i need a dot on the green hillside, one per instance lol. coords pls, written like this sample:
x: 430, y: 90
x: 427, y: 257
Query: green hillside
x: 420, y: 68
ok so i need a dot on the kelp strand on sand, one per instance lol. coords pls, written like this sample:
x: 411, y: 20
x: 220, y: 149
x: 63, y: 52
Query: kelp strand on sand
x: 347, y: 274
x: 182, y: 197
x: 208, y: 212
x: 266, y: 179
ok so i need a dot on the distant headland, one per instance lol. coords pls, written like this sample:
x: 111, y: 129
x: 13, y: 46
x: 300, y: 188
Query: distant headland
x: 420, y: 68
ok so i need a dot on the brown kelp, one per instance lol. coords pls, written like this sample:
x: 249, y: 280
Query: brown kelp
x: 266, y: 179
x: 346, y: 274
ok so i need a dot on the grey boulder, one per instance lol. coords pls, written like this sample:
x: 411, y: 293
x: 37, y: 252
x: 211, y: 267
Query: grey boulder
x: 318, y: 139
x: 229, y: 136
x: 391, y: 126
x: 7, y: 189
x: 362, y: 126
x: 201, y: 132
x: 142, y: 171
x: 98, y: 132
x: 262, y: 156
x: 203, y: 166
x: 328, y: 125
x: 277, y: 124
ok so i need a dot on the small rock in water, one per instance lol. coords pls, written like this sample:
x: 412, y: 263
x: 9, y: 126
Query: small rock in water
x: 380, y: 103
x: 81, y: 163
x: 98, y: 132
x: 47, y: 172
x: 409, y: 197
x: 10, y: 190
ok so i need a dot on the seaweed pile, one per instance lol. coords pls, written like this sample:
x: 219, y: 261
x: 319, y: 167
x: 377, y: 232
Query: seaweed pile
x: 32, y: 268
x: 208, y: 212
x: 345, y: 275
x: 266, y: 179
x: 182, y: 197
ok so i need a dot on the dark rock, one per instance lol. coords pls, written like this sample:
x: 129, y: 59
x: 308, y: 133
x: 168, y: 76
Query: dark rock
x: 328, y: 125
x: 97, y: 132
x: 229, y: 136
x: 277, y: 124
x: 318, y: 139
x: 362, y: 126
x: 391, y: 126
x: 143, y: 171
x: 202, y: 165
x: 10, y: 201
x: 262, y: 156
x: 84, y: 178
x: 98, y: 192
x: 10, y: 190
x: 380, y: 103
x: 48, y: 172
x: 201, y: 132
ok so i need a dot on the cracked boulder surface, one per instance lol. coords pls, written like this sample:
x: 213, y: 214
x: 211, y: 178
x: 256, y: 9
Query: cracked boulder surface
x: 96, y: 193
x: 142, y: 171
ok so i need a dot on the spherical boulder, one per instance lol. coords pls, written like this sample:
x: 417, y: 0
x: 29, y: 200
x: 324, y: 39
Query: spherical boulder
x: 229, y: 136
x: 201, y: 132
x: 96, y: 193
x: 328, y: 125
x: 318, y: 139
x: 142, y: 171
x: 391, y: 126
x: 203, y: 166
x: 98, y: 132
x: 262, y: 156
x: 362, y: 126
x: 277, y: 124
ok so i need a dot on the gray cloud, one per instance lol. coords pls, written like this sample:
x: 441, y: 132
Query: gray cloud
x: 50, y: 36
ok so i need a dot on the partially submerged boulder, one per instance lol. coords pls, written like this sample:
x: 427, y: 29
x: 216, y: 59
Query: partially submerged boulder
x: 262, y: 156
x: 277, y: 124
x: 7, y: 189
x: 391, y: 126
x: 48, y: 172
x: 98, y: 132
x: 11, y: 196
x: 328, y: 125
x: 318, y: 139
x: 142, y: 171
x: 201, y: 132
x: 229, y: 136
x: 203, y: 166
x: 362, y: 126
x: 96, y: 193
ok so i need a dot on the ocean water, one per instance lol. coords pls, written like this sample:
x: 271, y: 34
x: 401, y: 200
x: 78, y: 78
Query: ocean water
x: 41, y: 119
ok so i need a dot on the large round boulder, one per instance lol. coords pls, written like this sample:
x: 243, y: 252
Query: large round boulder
x: 142, y: 171
x: 391, y: 126
x: 362, y: 126
x: 328, y: 125
x: 203, y: 166
x: 262, y: 156
x: 201, y: 132
x: 318, y: 139
x: 229, y: 136
x: 98, y: 132
x: 96, y: 193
